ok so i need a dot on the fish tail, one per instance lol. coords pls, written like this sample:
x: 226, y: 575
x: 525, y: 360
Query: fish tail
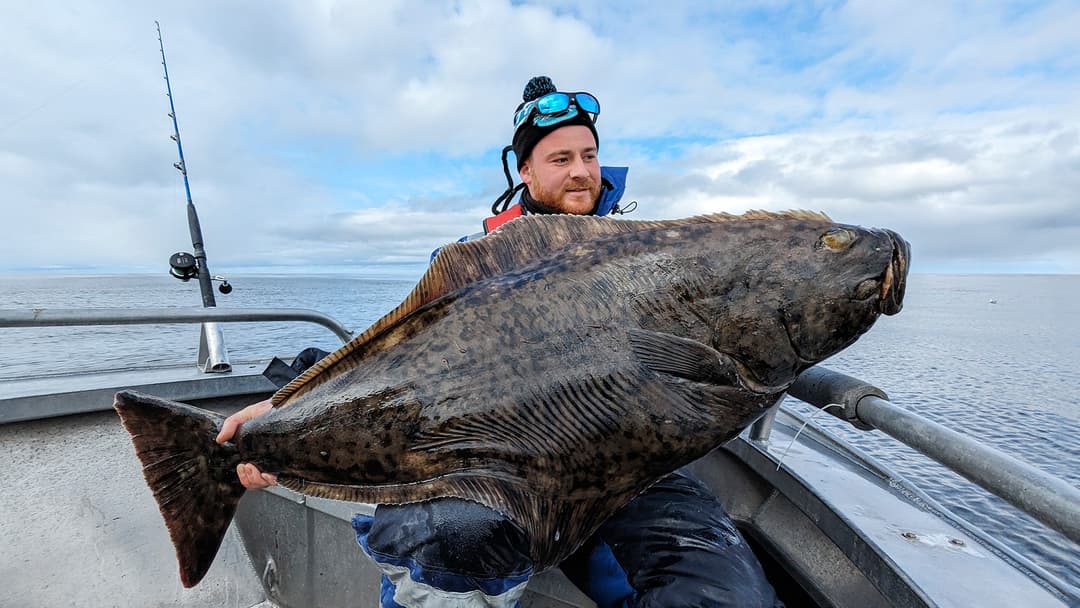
x: 192, y: 477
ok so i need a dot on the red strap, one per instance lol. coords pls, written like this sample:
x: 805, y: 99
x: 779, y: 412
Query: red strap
x: 495, y: 221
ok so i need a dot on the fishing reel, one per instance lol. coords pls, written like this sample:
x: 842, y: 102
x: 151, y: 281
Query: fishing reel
x: 185, y: 267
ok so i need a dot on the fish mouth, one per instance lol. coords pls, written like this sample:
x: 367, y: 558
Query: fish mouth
x: 891, y: 299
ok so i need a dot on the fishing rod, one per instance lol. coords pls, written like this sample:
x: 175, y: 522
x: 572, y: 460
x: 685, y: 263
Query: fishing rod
x: 213, y: 356
x: 186, y: 266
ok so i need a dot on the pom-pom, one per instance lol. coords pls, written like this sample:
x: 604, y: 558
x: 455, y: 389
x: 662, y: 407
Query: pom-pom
x: 538, y: 87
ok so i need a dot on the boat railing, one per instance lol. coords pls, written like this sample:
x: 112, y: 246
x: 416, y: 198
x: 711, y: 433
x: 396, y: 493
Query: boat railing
x: 50, y: 395
x: 46, y: 317
x: 1051, y: 500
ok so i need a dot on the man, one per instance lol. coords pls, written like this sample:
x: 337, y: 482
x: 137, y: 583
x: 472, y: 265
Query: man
x: 556, y: 160
x: 671, y: 546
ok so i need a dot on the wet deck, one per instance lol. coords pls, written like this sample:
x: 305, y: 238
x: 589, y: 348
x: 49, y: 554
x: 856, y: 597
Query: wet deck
x: 80, y: 527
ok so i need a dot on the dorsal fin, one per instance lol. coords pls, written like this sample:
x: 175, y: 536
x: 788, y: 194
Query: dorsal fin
x: 513, y: 245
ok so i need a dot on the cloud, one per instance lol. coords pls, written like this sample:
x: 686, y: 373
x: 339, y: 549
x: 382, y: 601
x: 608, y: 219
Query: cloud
x: 335, y: 134
x: 980, y: 195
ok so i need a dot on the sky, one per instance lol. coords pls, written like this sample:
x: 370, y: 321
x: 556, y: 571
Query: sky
x: 359, y: 136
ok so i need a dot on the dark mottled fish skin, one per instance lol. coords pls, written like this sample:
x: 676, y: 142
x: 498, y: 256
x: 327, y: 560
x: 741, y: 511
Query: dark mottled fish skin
x: 560, y: 366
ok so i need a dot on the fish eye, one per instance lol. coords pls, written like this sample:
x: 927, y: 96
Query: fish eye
x: 838, y: 239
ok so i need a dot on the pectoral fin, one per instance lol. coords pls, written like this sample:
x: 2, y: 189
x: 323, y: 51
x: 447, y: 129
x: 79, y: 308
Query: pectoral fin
x: 683, y: 357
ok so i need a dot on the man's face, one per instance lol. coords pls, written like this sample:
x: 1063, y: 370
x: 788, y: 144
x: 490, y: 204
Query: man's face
x: 562, y: 172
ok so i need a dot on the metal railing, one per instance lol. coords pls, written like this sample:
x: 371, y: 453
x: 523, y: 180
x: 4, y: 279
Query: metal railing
x: 45, y: 317
x: 65, y: 395
x: 1048, y: 499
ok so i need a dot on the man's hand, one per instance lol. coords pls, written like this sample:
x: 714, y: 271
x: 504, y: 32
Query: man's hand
x: 250, y: 476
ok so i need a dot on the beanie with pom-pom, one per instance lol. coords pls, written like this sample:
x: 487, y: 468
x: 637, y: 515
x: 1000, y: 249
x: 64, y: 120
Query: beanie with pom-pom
x: 528, y: 135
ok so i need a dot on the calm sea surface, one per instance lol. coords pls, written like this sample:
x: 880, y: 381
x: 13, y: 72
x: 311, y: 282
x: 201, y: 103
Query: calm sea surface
x: 995, y: 357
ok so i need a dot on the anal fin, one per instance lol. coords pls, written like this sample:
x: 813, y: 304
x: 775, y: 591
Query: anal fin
x: 503, y: 495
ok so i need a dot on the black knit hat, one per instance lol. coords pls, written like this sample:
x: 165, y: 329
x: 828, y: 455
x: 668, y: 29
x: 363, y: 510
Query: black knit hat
x: 526, y: 138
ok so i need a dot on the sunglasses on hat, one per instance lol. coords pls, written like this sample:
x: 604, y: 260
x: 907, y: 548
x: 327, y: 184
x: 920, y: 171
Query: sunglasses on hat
x: 553, y: 108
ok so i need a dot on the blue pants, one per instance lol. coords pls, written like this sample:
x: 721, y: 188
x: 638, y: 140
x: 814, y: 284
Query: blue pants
x: 671, y: 546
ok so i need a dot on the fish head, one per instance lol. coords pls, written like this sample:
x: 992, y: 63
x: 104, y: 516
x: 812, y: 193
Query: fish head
x: 811, y: 287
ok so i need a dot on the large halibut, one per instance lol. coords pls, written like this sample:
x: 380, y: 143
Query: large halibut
x: 552, y: 371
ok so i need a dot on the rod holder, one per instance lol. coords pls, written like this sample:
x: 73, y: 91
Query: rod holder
x: 213, y: 356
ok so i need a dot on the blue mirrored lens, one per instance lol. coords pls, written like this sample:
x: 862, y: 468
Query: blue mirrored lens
x: 587, y: 103
x: 553, y: 103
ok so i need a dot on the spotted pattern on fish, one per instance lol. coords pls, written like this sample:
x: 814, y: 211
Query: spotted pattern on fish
x: 558, y: 367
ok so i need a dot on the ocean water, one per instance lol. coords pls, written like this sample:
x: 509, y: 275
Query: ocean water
x: 996, y: 357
